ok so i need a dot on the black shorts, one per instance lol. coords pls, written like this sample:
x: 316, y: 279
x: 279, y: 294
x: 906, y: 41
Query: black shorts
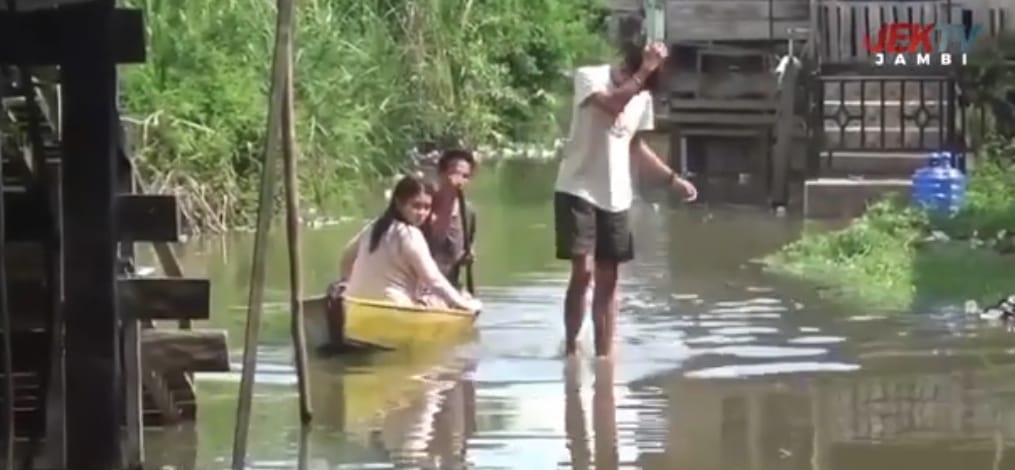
x: 584, y: 229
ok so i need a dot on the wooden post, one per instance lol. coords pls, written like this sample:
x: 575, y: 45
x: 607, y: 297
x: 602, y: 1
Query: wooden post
x: 303, y: 457
x: 289, y: 155
x: 89, y: 190
x: 133, y: 388
x: 266, y: 200
x: 8, y: 336
x: 785, y: 126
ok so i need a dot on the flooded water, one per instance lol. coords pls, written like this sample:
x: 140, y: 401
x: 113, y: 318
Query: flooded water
x: 718, y: 365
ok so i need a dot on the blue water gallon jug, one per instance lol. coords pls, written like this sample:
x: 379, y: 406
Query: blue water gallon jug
x: 939, y: 187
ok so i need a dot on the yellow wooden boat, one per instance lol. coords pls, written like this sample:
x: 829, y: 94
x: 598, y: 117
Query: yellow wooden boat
x: 388, y: 325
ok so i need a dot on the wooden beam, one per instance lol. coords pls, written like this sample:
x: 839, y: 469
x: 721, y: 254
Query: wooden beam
x: 171, y: 298
x: 40, y: 4
x: 94, y: 381
x: 140, y: 298
x: 724, y: 104
x: 37, y: 37
x: 185, y: 350
x: 718, y: 118
x: 140, y: 218
x: 160, y: 393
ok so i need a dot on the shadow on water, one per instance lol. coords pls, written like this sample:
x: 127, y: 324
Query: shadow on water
x: 719, y: 366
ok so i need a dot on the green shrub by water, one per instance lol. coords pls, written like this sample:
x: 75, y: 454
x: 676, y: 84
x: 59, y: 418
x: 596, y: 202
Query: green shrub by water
x: 883, y: 258
x: 372, y: 78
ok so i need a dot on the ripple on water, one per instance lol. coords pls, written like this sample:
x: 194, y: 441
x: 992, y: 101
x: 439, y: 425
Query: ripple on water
x: 737, y: 315
x: 720, y: 339
x: 744, y: 330
x: 748, y: 302
x: 817, y: 340
x: 773, y: 368
x: 755, y: 352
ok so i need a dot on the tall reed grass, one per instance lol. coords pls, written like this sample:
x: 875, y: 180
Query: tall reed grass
x: 373, y: 77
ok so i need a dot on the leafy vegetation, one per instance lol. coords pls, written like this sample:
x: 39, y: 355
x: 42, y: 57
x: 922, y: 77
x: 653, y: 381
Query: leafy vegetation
x: 373, y: 78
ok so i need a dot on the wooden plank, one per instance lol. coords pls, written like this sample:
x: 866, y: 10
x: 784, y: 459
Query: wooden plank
x: 133, y: 376
x: 148, y: 217
x: 37, y: 37
x: 860, y: 30
x: 832, y: 17
x: 734, y: 10
x: 40, y: 4
x: 160, y: 393
x: 725, y: 105
x: 845, y: 30
x: 699, y: 131
x: 94, y: 382
x: 734, y: 19
x: 143, y: 218
x: 722, y: 85
x: 743, y: 30
x: 721, y: 118
x: 168, y: 351
x: 171, y: 298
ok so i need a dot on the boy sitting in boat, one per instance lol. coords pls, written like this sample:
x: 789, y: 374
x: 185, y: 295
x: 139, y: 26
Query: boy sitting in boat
x: 389, y: 260
x: 449, y: 239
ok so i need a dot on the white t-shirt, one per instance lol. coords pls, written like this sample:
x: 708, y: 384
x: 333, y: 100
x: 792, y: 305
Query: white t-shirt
x: 597, y: 158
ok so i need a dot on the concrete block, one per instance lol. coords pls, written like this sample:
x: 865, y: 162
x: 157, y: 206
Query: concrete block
x: 840, y: 198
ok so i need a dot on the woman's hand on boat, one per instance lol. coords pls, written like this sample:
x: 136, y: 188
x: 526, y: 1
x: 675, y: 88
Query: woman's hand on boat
x: 336, y: 289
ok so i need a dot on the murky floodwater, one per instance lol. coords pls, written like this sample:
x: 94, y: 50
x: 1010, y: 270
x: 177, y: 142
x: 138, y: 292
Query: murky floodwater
x: 718, y: 366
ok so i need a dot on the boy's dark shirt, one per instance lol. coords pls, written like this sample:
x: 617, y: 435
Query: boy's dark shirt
x: 449, y: 249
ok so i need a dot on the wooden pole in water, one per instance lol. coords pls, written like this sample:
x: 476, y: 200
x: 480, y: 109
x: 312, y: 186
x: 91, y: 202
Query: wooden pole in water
x: 463, y: 214
x: 264, y: 214
x: 289, y: 155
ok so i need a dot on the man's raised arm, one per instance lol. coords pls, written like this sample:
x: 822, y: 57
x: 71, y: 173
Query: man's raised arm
x: 613, y: 100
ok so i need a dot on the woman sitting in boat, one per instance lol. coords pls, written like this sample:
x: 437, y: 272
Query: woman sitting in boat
x: 390, y: 260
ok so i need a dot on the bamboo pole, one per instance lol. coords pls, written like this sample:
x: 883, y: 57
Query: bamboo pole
x: 264, y: 214
x: 289, y: 156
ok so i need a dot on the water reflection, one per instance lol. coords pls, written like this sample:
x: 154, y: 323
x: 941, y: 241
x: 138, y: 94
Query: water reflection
x: 718, y: 367
x: 604, y: 419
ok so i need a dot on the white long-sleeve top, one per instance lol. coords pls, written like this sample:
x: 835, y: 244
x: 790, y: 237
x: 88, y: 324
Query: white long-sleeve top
x: 400, y: 267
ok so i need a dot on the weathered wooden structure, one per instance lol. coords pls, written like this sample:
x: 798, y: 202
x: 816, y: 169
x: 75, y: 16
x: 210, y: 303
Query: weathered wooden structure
x: 89, y: 368
x: 754, y: 134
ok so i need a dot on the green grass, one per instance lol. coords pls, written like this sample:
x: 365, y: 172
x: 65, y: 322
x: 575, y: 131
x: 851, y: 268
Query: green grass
x: 881, y: 260
x: 373, y: 77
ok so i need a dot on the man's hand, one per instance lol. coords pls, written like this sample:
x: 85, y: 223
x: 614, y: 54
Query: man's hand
x: 685, y: 187
x: 654, y: 56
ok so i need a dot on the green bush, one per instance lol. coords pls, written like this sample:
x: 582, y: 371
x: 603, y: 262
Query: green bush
x: 372, y: 79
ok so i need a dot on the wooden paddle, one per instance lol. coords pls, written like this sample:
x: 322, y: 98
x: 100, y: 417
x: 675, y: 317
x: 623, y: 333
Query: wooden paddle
x: 467, y: 241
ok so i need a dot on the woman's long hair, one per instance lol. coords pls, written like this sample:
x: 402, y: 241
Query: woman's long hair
x: 407, y: 188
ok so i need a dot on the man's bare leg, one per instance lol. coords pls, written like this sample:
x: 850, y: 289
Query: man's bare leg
x: 574, y: 301
x: 604, y: 306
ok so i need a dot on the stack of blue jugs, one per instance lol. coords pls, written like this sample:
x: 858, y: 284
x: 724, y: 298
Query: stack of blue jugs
x: 939, y: 187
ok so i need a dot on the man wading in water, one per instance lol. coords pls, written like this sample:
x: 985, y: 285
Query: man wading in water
x: 594, y: 190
